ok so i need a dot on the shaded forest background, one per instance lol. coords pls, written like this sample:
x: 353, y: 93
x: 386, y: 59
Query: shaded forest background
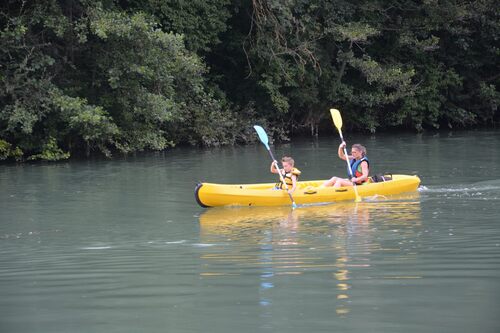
x: 130, y: 75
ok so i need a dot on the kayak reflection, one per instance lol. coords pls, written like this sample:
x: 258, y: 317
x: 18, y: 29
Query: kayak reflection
x: 321, y: 249
x: 398, y: 209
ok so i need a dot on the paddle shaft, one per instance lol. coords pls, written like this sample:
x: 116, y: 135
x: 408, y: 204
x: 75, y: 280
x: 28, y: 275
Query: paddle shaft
x: 349, y: 166
x: 349, y: 170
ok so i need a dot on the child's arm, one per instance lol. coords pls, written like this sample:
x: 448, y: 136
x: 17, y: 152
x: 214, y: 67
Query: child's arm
x: 273, y: 167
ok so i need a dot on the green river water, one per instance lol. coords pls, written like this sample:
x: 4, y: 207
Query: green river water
x: 121, y: 245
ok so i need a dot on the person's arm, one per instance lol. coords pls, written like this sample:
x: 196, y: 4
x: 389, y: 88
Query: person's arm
x: 364, y: 171
x: 273, y: 167
x: 341, y: 151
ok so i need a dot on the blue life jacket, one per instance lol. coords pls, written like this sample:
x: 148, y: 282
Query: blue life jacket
x: 356, y: 170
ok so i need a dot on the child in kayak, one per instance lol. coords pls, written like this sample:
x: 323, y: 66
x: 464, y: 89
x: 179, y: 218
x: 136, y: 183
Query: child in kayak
x: 360, y: 167
x: 289, y: 173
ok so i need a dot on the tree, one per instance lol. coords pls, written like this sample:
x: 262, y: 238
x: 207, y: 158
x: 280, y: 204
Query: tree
x: 86, y: 75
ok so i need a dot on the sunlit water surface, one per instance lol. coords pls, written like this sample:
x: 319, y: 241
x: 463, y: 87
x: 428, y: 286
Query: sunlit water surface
x: 121, y: 245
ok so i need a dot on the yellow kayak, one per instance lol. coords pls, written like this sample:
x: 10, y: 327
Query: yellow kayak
x: 307, y: 192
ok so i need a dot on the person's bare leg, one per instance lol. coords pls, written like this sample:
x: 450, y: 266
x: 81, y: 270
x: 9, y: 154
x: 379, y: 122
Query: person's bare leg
x: 342, y: 182
x: 330, y: 182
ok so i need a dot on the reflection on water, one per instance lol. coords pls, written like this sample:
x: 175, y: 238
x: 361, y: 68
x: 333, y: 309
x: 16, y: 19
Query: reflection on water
x: 339, y: 240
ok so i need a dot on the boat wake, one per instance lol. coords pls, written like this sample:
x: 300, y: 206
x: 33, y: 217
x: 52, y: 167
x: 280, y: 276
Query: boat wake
x: 479, y: 189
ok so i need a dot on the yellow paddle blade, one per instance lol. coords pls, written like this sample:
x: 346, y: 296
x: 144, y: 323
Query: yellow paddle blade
x: 337, y: 118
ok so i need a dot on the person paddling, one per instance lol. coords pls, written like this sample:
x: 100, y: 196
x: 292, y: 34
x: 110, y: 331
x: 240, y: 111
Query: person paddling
x: 360, y: 167
x: 290, y: 174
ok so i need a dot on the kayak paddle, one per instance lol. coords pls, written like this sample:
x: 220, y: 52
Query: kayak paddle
x: 337, y: 121
x: 265, y: 140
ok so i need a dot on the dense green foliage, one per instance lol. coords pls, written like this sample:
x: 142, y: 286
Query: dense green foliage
x: 106, y: 76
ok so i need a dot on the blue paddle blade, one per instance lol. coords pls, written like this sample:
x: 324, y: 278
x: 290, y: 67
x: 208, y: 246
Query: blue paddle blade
x: 262, y: 135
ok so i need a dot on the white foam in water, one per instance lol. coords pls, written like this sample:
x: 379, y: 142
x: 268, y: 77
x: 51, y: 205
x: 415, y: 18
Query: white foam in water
x: 376, y: 197
x: 96, y: 248
x: 477, y: 187
x: 176, y: 242
x: 203, y: 245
